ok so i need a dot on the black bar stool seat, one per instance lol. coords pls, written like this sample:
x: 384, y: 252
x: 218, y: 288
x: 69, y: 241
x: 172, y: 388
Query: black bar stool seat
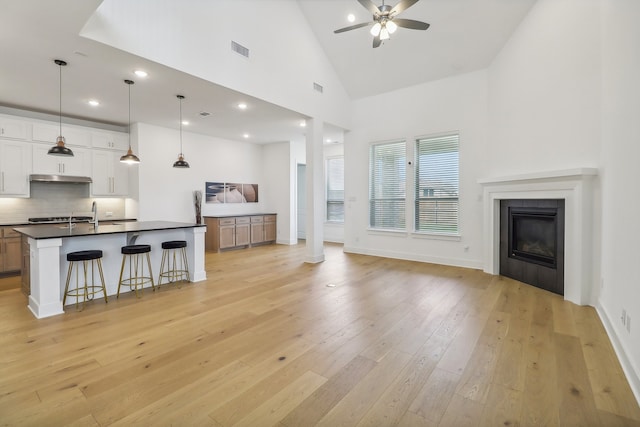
x: 174, y: 244
x: 137, y: 277
x: 174, y: 266
x: 86, y: 290
x: 135, y: 249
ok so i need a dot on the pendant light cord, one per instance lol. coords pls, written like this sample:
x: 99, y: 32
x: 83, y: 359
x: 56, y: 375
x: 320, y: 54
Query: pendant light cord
x: 129, y: 84
x: 60, y: 98
x: 181, y: 126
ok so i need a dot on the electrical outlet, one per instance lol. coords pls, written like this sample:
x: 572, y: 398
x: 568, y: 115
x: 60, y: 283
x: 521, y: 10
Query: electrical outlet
x: 108, y: 213
x: 628, y: 323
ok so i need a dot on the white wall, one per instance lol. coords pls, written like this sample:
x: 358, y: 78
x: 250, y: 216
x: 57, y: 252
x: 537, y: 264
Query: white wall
x: 166, y: 193
x: 453, y: 104
x: 279, y: 179
x: 544, y: 88
x: 620, y: 178
x: 281, y: 69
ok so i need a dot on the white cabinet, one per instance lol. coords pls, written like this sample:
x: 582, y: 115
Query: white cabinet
x: 43, y: 163
x: 74, y: 137
x: 110, y: 177
x: 14, y: 129
x: 15, y: 160
x: 110, y: 140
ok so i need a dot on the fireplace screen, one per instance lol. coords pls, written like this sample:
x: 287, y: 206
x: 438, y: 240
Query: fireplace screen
x: 532, y: 235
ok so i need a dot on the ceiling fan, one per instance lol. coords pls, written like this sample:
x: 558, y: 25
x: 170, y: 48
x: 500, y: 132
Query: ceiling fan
x: 385, y: 22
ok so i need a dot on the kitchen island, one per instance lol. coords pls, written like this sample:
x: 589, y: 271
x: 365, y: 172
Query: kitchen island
x: 49, y: 245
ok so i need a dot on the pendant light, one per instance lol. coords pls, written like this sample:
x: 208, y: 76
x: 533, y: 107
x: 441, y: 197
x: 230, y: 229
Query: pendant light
x: 181, y: 162
x: 59, y: 149
x: 129, y: 158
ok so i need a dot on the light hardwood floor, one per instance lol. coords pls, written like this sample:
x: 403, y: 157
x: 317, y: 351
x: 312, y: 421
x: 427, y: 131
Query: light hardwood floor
x: 354, y: 341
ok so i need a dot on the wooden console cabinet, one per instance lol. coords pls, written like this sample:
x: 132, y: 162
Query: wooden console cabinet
x: 239, y: 231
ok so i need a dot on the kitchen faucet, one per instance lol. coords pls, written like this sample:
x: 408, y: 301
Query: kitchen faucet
x: 94, y: 211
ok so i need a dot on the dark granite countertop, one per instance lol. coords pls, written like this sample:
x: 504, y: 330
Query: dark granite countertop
x: 83, y: 229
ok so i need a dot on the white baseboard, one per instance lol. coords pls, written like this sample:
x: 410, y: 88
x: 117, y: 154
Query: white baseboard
x: 455, y: 262
x: 627, y: 366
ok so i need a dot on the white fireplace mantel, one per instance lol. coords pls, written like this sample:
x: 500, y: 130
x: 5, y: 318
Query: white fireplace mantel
x: 575, y: 187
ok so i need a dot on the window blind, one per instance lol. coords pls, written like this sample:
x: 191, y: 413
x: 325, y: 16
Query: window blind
x: 335, y: 189
x: 437, y: 184
x: 387, y: 181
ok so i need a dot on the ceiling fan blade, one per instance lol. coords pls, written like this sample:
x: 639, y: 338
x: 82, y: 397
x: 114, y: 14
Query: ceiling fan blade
x: 370, y: 6
x: 376, y: 41
x: 403, y: 5
x: 411, y: 24
x: 351, y: 27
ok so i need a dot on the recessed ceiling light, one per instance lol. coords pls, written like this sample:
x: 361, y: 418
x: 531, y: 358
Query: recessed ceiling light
x: 328, y: 140
x: 351, y: 17
x: 93, y: 103
x: 140, y: 73
x: 242, y: 106
x: 245, y: 135
x: 303, y: 124
x: 185, y: 122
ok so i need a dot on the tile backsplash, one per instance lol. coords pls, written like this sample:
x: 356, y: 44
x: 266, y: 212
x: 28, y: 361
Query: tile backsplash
x: 58, y: 199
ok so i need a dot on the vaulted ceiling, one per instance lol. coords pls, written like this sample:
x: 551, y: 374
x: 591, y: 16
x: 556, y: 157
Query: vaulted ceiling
x: 465, y: 35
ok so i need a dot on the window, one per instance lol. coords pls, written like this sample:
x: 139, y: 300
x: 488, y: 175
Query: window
x: 335, y: 189
x: 387, y: 182
x: 437, y: 184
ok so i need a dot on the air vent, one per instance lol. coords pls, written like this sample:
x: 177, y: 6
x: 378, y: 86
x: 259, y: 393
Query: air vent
x: 204, y: 113
x: 317, y: 87
x: 238, y: 48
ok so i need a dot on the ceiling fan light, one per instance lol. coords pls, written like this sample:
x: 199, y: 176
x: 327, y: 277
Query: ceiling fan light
x: 384, y: 34
x: 391, y: 27
x: 375, y: 30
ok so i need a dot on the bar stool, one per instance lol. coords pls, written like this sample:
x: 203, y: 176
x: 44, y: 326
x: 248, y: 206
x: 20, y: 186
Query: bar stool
x: 174, y: 258
x: 137, y: 279
x: 87, y: 291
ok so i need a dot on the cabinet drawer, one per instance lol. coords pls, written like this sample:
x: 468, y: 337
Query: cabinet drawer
x: 243, y: 220
x: 256, y: 219
x: 9, y: 232
x: 227, y: 221
x: 269, y: 218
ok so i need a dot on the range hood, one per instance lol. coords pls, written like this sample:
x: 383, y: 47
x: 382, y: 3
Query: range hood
x: 60, y: 178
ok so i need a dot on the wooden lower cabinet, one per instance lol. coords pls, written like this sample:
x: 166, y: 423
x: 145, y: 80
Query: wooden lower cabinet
x: 10, y: 251
x: 239, y: 231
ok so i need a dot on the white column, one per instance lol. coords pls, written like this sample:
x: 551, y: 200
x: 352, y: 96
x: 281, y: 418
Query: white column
x: 195, y: 253
x: 315, y: 192
x: 45, y: 297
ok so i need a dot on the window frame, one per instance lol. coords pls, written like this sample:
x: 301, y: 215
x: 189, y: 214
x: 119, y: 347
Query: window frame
x: 417, y: 198
x: 401, y: 183
x: 328, y: 200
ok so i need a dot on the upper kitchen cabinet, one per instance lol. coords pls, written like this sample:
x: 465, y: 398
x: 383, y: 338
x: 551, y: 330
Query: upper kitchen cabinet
x: 110, y: 140
x: 110, y: 176
x: 15, y: 166
x: 43, y: 163
x: 13, y: 128
x: 73, y: 136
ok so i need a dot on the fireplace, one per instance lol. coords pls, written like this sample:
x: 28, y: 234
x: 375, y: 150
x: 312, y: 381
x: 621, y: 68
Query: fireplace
x: 532, y: 242
x: 576, y: 188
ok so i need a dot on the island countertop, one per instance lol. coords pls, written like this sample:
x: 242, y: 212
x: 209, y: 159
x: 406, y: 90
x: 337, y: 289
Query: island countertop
x: 62, y: 230
x: 49, y: 245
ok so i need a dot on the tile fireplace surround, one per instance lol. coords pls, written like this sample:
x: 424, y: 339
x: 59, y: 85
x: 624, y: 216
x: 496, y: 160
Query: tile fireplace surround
x: 575, y: 186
